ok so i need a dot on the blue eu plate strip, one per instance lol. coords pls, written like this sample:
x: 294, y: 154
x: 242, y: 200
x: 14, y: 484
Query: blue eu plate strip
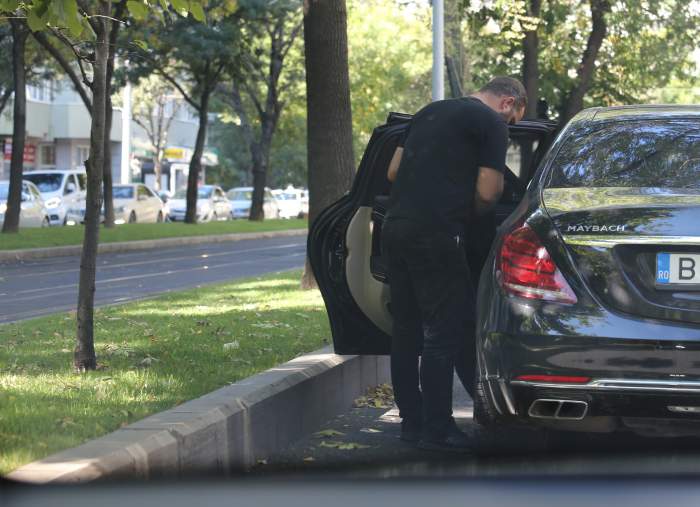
x: 663, y: 268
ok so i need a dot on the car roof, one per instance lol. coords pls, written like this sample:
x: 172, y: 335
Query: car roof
x: 634, y: 112
x: 54, y: 171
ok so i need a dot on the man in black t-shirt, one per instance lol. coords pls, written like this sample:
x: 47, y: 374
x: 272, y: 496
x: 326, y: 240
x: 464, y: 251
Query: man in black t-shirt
x: 447, y: 170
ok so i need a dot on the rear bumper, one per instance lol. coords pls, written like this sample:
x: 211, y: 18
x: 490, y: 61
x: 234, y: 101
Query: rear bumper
x: 645, y: 379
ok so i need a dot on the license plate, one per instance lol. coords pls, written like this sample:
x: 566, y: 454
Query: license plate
x: 677, y: 269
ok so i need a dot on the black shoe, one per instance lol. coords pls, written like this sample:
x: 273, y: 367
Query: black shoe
x: 454, y: 441
x: 410, y: 430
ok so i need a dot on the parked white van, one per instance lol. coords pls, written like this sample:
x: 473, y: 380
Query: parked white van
x: 61, y: 190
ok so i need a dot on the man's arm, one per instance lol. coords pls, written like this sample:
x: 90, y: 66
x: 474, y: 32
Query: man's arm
x: 489, y: 187
x: 394, y: 164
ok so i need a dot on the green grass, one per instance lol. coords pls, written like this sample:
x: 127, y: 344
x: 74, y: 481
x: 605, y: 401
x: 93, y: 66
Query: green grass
x: 62, y: 236
x: 152, y: 355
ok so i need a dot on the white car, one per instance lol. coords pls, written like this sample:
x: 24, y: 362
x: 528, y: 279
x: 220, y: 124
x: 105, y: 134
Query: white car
x: 212, y: 204
x: 60, y: 190
x: 291, y: 202
x: 33, y: 213
x: 242, y: 197
x: 133, y: 203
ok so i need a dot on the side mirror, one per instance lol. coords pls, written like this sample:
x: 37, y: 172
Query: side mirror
x: 141, y: 197
x: 26, y: 197
x: 70, y: 188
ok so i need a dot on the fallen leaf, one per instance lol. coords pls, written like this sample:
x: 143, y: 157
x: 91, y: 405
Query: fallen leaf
x: 309, y: 458
x: 328, y: 434
x: 343, y: 446
x: 370, y: 430
x: 232, y: 345
x: 351, y: 446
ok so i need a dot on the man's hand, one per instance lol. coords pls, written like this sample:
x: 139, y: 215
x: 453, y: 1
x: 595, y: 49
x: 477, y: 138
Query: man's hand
x: 489, y: 187
x: 394, y: 165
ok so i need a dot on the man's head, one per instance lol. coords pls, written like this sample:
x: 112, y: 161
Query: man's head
x: 506, y: 96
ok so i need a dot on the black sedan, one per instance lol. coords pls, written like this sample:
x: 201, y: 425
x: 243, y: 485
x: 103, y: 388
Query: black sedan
x: 588, y: 312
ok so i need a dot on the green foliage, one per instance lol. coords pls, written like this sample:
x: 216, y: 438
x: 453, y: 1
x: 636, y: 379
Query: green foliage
x: 390, y: 61
x: 648, y: 43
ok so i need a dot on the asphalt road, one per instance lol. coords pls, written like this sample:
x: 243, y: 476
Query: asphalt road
x: 41, y: 287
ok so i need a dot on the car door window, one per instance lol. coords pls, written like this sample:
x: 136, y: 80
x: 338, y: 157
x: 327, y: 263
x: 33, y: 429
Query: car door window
x: 142, y: 192
x: 82, y: 182
x: 71, y: 181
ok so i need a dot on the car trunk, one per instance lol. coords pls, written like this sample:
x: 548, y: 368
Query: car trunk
x: 614, y: 236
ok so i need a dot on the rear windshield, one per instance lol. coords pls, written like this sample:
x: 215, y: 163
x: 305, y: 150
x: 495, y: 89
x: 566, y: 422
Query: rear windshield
x: 202, y: 193
x: 46, y: 182
x: 650, y: 153
x: 240, y: 195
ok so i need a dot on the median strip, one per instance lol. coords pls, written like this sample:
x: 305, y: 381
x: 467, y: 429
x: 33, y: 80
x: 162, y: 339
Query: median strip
x: 23, y: 255
x: 153, y: 355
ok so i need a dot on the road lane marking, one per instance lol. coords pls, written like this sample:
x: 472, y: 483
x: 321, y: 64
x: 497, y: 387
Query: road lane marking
x: 160, y: 260
x: 7, y: 319
x: 150, y: 275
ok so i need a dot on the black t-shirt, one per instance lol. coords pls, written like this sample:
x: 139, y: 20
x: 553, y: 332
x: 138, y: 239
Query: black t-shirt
x: 444, y: 146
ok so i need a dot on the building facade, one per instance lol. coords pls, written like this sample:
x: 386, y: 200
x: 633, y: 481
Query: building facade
x: 58, y: 137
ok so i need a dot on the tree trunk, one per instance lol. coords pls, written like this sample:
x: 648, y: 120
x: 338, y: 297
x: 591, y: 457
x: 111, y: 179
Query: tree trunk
x: 84, y: 354
x: 329, y: 118
x: 113, y: 27
x: 107, y: 182
x: 14, y: 198
x: 531, y: 78
x: 531, y: 72
x: 260, y: 155
x: 158, y: 168
x: 260, y: 152
x: 574, y: 101
x: 196, y: 161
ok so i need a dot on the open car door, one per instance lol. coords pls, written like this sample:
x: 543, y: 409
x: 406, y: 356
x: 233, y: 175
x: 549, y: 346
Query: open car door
x: 344, y: 241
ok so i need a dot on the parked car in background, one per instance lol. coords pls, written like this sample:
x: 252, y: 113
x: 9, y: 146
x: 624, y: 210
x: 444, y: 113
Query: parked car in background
x: 133, y: 203
x: 292, y: 202
x: 60, y: 190
x: 241, y: 199
x: 33, y: 212
x: 212, y: 204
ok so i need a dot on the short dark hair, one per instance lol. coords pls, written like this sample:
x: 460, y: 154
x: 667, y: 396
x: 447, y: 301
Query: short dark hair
x: 509, y: 87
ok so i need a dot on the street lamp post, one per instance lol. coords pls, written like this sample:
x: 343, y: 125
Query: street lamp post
x: 125, y: 169
x: 438, y: 49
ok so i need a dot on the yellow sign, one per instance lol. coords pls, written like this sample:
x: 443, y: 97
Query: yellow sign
x: 175, y: 153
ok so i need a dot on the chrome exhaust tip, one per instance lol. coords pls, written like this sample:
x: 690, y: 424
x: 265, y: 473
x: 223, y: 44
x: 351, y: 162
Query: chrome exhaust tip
x: 571, y: 410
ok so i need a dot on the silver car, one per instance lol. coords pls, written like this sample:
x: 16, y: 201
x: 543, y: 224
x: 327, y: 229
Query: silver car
x: 33, y: 212
x: 212, y: 204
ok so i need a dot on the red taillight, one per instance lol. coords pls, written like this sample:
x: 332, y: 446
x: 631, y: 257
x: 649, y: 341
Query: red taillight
x: 554, y: 379
x: 525, y: 269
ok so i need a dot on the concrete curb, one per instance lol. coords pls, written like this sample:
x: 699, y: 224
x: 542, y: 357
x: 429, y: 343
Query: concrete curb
x: 227, y: 430
x: 7, y: 256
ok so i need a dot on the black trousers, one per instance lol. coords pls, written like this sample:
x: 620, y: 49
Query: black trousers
x: 433, y: 305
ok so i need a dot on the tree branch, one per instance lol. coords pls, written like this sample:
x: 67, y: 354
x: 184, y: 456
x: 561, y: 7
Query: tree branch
x: 43, y: 40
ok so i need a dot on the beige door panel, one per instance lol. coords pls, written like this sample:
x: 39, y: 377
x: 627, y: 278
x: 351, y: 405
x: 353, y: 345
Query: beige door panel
x: 371, y: 295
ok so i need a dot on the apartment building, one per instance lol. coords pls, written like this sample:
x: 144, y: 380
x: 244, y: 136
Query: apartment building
x: 58, y: 137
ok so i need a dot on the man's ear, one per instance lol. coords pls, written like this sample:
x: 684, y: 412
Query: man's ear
x: 507, y: 103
